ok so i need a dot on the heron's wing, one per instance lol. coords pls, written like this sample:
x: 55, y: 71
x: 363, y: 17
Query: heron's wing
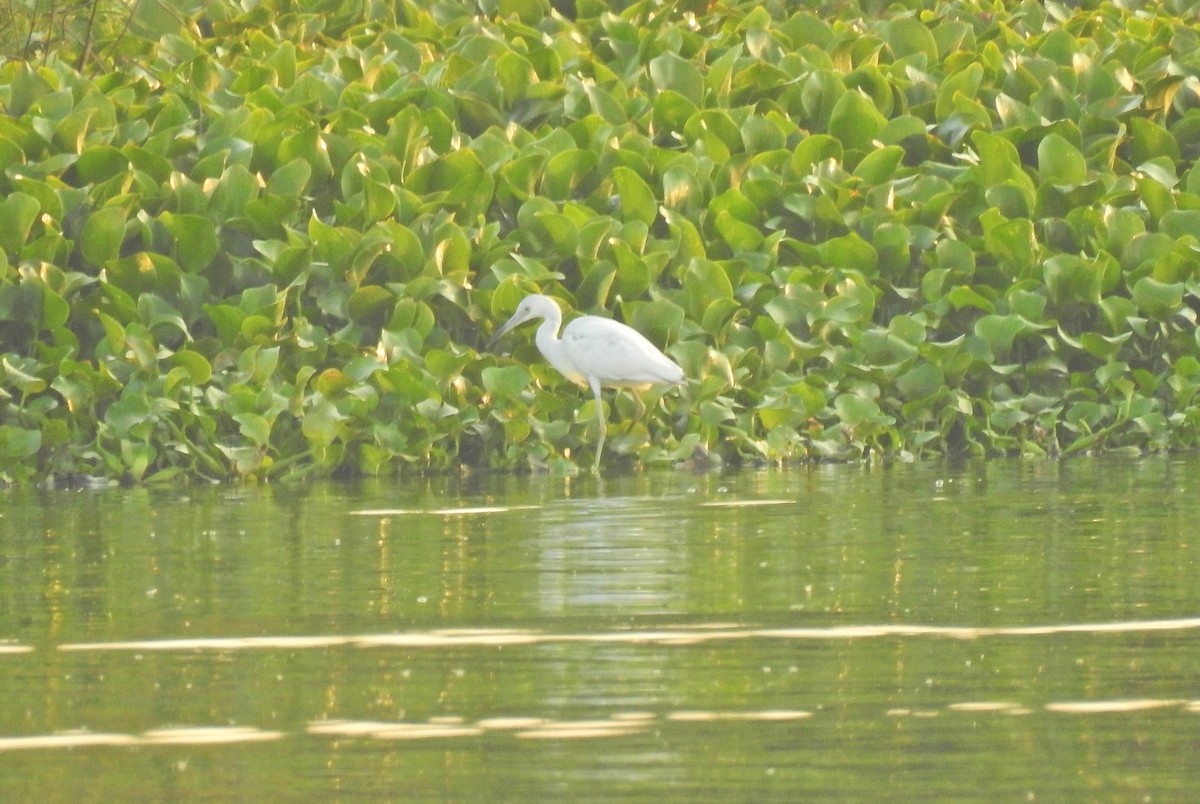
x: 616, y: 354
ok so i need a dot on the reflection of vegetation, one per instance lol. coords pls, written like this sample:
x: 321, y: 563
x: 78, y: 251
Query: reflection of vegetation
x: 269, y: 242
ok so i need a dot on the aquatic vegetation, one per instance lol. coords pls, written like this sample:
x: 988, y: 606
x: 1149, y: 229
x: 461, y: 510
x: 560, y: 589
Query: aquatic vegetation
x: 259, y: 241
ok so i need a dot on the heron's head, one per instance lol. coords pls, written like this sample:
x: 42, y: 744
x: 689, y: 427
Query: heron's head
x: 531, y: 307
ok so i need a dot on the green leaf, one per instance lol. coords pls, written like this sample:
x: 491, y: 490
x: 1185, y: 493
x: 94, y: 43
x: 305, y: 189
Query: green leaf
x: 1158, y: 300
x: 321, y: 424
x: 907, y: 36
x: 813, y: 150
x: 76, y: 382
x: 1072, y: 279
x: 1013, y: 243
x: 657, y: 319
x: 705, y: 282
x: 270, y: 214
x: 236, y: 188
x: 739, y: 235
x: 965, y: 82
x: 196, y: 365
x: 856, y: 411
x: 102, y: 235
x: 126, y: 413
x: 289, y: 180
x: 672, y: 110
x: 99, y: 163
x: 882, y: 347
x: 560, y: 232
x: 506, y: 382
x: 18, y: 211
x: 718, y: 314
x: 880, y: 165
x: 55, y: 310
x: 332, y: 382
x: 17, y: 442
x: 955, y: 256
x: 567, y: 171
x: 308, y: 144
x: 154, y: 311
x: 114, y: 332
x: 677, y: 74
x: 998, y: 331
x: 1149, y: 140
x: 21, y: 379
x: 1060, y: 162
x: 254, y: 427
x: 761, y: 135
x: 228, y: 321
x: 196, y: 242
x: 963, y: 296
x: 849, y: 251
x: 515, y: 74
x: 368, y: 303
x: 381, y: 201
x: 921, y: 382
x: 1180, y: 223
x: 999, y: 161
x: 855, y: 121
x: 637, y: 199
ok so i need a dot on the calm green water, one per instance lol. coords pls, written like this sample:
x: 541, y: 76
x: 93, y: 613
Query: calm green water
x: 997, y: 631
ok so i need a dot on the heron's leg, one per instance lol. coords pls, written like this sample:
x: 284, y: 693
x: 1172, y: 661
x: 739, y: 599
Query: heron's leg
x: 600, y: 421
x: 683, y: 409
x: 639, y: 413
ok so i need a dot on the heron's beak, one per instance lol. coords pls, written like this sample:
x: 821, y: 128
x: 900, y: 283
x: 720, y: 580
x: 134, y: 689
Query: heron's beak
x: 499, y: 333
x: 487, y: 347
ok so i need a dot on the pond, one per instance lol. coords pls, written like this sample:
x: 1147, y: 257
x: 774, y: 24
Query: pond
x: 1000, y: 630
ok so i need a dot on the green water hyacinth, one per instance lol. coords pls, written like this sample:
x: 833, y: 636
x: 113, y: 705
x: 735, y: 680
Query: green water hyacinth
x: 256, y: 242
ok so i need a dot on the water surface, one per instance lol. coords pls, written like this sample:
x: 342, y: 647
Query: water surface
x: 998, y: 630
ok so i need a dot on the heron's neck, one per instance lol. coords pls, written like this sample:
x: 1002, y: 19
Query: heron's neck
x: 547, y: 331
x: 552, y: 348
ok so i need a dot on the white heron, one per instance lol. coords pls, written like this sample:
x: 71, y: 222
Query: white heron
x: 594, y: 352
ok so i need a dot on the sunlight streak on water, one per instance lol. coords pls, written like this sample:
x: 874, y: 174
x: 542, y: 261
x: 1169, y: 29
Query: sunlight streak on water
x: 619, y: 724
x: 392, y: 731
x: 680, y: 636
x: 202, y: 735
x: 1096, y: 707
x: 745, y: 503
x: 468, y: 511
